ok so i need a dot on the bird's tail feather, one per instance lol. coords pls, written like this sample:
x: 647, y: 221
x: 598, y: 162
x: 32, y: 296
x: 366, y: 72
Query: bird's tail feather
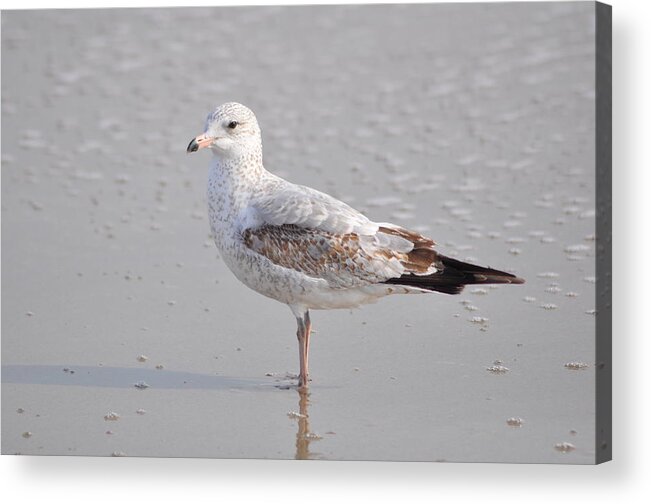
x: 454, y: 275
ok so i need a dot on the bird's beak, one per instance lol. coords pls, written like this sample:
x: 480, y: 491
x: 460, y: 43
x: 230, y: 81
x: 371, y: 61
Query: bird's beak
x: 200, y: 142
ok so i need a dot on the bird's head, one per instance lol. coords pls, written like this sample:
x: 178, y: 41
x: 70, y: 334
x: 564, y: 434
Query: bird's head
x: 231, y: 130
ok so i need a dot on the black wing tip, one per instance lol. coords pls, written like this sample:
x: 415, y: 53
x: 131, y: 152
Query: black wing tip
x: 449, y: 289
x: 454, y: 276
x: 495, y: 277
x: 425, y: 283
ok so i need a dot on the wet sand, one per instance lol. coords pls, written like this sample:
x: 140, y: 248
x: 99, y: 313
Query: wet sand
x: 471, y: 123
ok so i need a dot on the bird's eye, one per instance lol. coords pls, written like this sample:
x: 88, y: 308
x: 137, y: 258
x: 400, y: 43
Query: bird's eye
x: 233, y: 124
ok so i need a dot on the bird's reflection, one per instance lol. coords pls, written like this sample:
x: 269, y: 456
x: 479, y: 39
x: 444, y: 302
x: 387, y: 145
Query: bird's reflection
x: 304, y: 436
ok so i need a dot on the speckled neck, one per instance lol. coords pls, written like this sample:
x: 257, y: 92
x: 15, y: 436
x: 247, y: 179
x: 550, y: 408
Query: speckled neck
x: 231, y: 182
x: 243, y: 168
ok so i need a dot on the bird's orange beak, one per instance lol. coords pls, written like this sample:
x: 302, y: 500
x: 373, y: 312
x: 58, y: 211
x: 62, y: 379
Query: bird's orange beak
x: 199, y: 142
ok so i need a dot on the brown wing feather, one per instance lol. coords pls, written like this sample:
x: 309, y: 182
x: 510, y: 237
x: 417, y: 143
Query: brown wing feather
x: 339, y: 258
x: 422, y: 257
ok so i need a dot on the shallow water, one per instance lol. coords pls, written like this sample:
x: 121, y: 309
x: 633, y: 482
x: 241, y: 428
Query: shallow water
x: 471, y: 123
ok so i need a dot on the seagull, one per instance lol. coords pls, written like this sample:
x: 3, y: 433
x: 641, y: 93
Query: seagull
x: 305, y: 248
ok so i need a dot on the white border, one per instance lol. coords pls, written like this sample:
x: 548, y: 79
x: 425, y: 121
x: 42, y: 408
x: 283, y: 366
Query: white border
x: 627, y: 479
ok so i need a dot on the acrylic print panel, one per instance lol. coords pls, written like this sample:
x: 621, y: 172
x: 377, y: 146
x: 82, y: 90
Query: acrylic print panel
x: 125, y: 333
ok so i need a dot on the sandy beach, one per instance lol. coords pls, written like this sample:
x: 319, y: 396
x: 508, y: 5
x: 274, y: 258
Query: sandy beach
x: 123, y: 333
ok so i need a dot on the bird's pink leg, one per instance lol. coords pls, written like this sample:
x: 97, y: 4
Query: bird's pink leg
x: 308, y: 330
x: 300, y: 334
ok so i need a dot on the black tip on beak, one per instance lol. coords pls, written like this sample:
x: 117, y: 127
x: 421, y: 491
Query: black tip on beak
x: 193, y: 146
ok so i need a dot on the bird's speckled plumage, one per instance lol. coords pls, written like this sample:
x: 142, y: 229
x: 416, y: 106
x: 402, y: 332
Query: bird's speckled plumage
x: 252, y: 212
x: 305, y: 248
